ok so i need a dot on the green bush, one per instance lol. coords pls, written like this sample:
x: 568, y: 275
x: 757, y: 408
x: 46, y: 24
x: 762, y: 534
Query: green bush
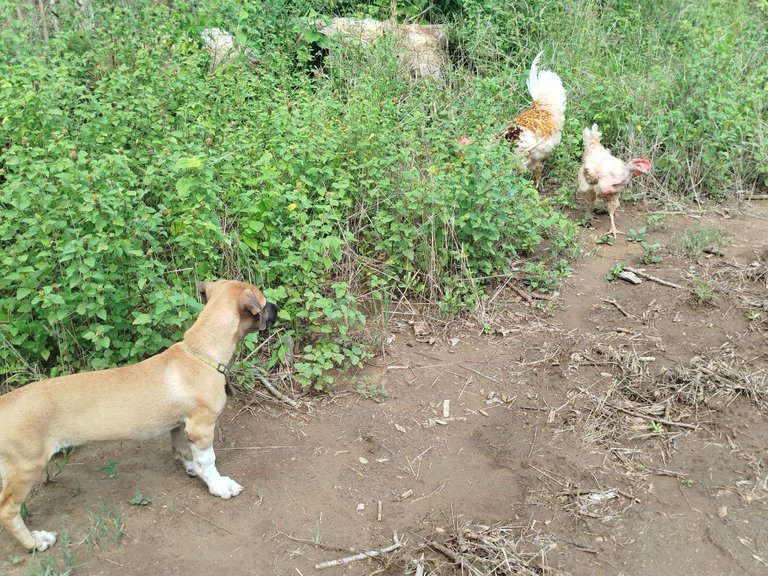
x: 129, y: 171
x: 680, y: 82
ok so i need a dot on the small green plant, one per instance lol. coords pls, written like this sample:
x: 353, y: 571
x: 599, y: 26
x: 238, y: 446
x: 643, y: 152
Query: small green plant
x: 371, y: 390
x: 637, y: 235
x: 687, y: 482
x: 15, y: 559
x: 650, y: 256
x: 110, y: 468
x: 317, y: 532
x: 52, y: 564
x: 703, y: 290
x: 106, y: 526
x: 754, y: 315
x: 656, y: 427
x: 616, y: 269
x: 60, y: 464
x: 656, y: 221
x: 48, y: 565
x: 605, y: 239
x: 139, y: 499
x: 693, y: 241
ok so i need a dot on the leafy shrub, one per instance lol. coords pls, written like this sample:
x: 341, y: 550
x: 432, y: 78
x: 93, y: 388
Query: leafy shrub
x: 129, y: 171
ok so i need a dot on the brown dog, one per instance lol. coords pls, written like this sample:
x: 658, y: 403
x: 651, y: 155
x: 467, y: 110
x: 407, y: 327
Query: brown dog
x: 180, y: 390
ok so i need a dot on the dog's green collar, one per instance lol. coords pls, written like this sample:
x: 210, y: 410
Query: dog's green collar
x: 221, y: 368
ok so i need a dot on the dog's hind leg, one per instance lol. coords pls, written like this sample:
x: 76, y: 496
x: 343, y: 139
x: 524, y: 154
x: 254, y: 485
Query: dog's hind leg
x: 17, y: 484
x: 199, y: 432
x: 182, y: 450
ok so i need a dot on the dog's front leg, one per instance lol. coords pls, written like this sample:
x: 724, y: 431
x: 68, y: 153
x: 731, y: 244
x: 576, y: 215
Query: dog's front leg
x: 200, y: 436
x: 182, y: 450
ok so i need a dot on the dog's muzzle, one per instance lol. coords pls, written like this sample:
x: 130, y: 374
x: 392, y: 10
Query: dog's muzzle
x: 268, y: 316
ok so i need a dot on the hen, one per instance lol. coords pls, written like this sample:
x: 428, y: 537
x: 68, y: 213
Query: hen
x: 535, y: 132
x: 605, y: 176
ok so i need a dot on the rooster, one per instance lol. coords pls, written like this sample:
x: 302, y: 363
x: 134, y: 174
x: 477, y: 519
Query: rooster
x: 535, y: 132
x: 605, y: 176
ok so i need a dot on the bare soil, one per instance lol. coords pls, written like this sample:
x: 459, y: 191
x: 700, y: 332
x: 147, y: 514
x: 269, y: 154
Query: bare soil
x: 568, y: 445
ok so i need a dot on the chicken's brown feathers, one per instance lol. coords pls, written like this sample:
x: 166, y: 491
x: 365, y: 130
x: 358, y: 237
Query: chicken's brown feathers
x: 590, y: 177
x: 538, y: 120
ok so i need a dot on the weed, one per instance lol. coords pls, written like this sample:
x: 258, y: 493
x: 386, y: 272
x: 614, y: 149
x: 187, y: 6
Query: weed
x: 637, y: 235
x: 60, y: 464
x: 317, y: 532
x: 656, y: 427
x: 52, y: 564
x: 106, y: 526
x: 605, y: 239
x: 110, y: 468
x: 615, y: 271
x: 371, y: 390
x: 703, y: 290
x: 656, y: 221
x: 139, y: 499
x: 692, y: 241
x: 650, y: 256
x: 48, y: 565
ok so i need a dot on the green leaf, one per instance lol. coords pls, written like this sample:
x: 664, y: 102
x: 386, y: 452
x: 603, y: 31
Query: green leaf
x: 184, y: 184
x: 190, y: 163
x: 142, y: 319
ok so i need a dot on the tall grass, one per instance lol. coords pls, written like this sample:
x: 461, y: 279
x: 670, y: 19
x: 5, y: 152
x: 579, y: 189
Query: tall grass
x: 681, y: 82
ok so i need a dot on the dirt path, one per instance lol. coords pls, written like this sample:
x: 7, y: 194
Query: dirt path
x: 553, y: 444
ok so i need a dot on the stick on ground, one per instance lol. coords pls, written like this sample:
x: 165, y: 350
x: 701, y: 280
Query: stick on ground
x: 652, y: 278
x: 274, y: 391
x: 362, y: 555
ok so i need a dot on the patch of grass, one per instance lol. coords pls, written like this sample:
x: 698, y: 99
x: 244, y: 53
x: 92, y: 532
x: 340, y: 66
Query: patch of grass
x: 371, y: 390
x: 656, y: 221
x: 106, y: 526
x: 110, y: 468
x: 693, y: 241
x: 703, y: 289
x: 59, y: 562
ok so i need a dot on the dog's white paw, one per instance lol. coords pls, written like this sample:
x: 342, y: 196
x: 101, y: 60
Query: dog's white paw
x: 225, y: 487
x: 43, y: 539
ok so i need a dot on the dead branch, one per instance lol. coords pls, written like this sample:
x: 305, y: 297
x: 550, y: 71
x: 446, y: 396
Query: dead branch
x: 274, y: 391
x: 652, y: 278
x: 618, y: 306
x: 453, y: 556
x: 362, y: 555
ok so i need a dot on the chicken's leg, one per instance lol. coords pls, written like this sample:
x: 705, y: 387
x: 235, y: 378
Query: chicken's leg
x: 537, y: 176
x: 613, y: 204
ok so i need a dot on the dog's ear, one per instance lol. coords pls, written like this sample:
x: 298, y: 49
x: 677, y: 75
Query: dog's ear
x: 201, y: 286
x: 249, y: 302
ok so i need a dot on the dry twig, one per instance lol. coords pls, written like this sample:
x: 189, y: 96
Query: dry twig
x: 362, y: 555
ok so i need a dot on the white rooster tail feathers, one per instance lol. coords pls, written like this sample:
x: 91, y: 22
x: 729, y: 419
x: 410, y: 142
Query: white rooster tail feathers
x: 592, y: 135
x: 545, y: 87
